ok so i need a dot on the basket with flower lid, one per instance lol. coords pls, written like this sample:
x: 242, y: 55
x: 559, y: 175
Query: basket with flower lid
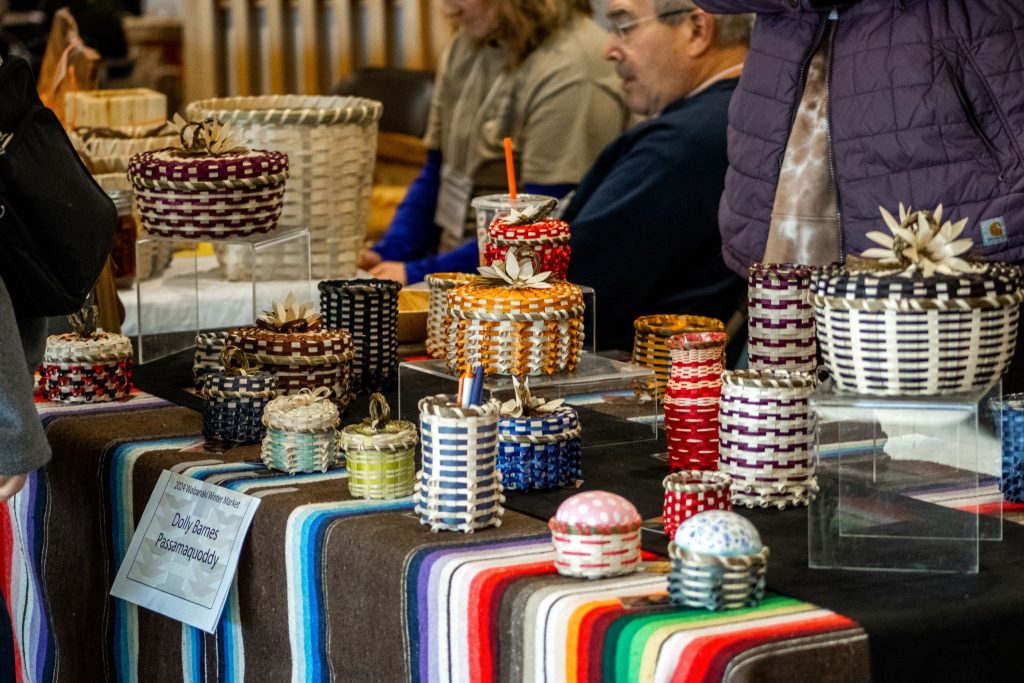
x: 289, y: 343
x: 86, y: 365
x: 538, y: 442
x: 530, y: 229
x: 718, y: 562
x: 380, y: 454
x: 596, y: 534
x: 211, y: 187
x: 236, y: 397
x: 515, y: 321
x: 302, y: 432
x: 914, y: 316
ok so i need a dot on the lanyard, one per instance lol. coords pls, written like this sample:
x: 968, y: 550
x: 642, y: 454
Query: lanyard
x: 733, y: 70
x: 474, y: 129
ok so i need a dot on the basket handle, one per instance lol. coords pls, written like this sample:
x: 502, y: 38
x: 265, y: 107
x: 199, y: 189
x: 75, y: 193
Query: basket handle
x: 380, y: 411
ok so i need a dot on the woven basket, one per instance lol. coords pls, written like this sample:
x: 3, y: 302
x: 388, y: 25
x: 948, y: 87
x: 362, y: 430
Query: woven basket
x: 1011, y: 416
x: 368, y: 310
x: 541, y: 452
x: 547, y: 240
x: 301, y: 432
x: 206, y: 360
x: 651, y: 347
x: 233, y: 195
x: 131, y: 260
x: 459, y: 487
x: 688, y: 493
x: 438, y: 317
x: 380, y: 454
x: 515, y: 331
x: 86, y: 369
x: 766, y: 435
x: 596, y: 534
x: 691, y: 399
x: 331, y: 143
x: 780, y: 322
x: 111, y: 155
x: 715, y: 583
x: 893, y: 335
x: 301, y: 360
x: 234, y: 406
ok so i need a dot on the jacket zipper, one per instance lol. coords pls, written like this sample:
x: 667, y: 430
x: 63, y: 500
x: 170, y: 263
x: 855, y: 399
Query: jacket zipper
x: 833, y: 21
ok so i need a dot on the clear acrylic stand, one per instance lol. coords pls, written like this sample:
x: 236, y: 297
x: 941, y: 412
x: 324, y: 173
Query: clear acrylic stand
x: 192, y: 296
x: 612, y: 397
x: 906, y: 483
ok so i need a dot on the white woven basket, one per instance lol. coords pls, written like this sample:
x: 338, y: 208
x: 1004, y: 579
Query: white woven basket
x: 331, y: 144
x: 594, y: 555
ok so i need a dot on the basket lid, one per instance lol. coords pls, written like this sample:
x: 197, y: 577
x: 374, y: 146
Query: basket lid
x: 561, y: 301
x: 551, y: 229
x: 596, y: 512
x: 97, y: 347
x: 305, y: 411
x: 378, y: 431
x: 449, y: 280
x: 315, y: 343
x: 719, y: 532
x: 170, y: 165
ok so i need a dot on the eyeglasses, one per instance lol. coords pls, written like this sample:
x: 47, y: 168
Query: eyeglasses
x: 620, y: 28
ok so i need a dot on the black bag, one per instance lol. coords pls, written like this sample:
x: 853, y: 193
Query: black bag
x: 56, y: 224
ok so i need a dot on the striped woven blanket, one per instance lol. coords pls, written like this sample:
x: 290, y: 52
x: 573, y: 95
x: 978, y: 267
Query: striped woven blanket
x: 331, y: 588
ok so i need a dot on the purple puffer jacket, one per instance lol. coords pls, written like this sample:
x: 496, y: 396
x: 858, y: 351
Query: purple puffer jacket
x: 927, y: 106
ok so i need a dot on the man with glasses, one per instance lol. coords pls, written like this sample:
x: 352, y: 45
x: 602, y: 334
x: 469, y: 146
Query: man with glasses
x: 644, y: 218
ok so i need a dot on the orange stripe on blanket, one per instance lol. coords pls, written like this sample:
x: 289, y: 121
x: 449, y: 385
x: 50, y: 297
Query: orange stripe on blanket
x: 577, y: 651
x: 698, y: 657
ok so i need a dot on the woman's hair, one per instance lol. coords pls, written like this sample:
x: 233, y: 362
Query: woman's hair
x: 525, y: 24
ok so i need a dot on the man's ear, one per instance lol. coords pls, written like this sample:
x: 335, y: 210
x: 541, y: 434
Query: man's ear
x: 703, y: 28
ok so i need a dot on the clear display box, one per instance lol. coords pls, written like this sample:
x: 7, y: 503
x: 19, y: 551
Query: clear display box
x: 906, y: 483
x: 192, y: 295
x: 613, y: 398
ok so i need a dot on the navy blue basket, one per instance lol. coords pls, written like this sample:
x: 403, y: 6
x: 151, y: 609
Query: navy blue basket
x: 234, y: 406
x: 540, y: 453
x: 1011, y: 415
x: 459, y: 487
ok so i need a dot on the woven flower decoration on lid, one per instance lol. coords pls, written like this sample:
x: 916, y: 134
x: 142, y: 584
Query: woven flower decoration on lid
x: 208, y: 137
x: 527, y: 404
x: 921, y: 242
x: 290, y: 316
x: 532, y: 213
x: 515, y: 272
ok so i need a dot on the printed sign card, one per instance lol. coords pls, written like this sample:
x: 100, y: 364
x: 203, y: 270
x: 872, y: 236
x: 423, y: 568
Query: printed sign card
x: 183, y: 556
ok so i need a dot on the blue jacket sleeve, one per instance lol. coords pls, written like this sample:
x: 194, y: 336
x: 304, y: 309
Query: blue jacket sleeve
x: 413, y: 233
x: 466, y: 258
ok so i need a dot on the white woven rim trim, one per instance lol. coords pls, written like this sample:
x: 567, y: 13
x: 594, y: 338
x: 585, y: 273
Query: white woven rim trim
x: 567, y: 435
x: 302, y: 110
x: 684, y: 482
x: 995, y: 301
x: 547, y: 316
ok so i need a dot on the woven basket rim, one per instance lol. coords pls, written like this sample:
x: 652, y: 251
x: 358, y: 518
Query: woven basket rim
x: 695, y: 481
x: 776, y: 379
x: 726, y: 561
x: 609, y: 529
x: 995, y: 301
x: 308, y: 110
x: 444, y: 406
x: 669, y: 324
x: 362, y: 285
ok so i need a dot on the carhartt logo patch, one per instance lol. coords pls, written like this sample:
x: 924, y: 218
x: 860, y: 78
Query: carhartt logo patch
x: 993, y: 231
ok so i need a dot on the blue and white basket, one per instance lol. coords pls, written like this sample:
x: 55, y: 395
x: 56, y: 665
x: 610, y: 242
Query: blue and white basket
x: 540, y: 452
x: 234, y: 406
x: 1011, y: 415
x: 459, y: 487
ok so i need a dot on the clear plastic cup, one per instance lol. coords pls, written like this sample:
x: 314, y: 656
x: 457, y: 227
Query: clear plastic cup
x: 490, y: 205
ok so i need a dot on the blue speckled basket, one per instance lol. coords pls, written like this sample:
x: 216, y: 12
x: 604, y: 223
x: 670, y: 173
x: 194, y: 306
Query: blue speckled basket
x: 234, y: 406
x: 459, y: 487
x: 540, y: 453
x: 1011, y: 414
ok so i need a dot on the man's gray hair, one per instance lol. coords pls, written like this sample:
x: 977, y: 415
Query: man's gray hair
x: 730, y: 29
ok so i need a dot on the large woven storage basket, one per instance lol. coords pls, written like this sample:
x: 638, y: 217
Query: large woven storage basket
x: 886, y: 334
x: 331, y: 144
x: 459, y: 487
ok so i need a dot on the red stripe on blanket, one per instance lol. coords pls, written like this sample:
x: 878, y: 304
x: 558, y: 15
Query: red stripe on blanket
x: 706, y: 658
x: 7, y: 555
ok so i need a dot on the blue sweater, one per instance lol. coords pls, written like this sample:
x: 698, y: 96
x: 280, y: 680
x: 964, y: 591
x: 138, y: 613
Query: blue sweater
x: 413, y: 236
x: 644, y: 220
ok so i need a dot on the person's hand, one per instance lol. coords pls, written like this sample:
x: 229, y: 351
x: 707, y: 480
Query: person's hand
x: 10, y: 486
x: 368, y: 258
x: 389, y: 270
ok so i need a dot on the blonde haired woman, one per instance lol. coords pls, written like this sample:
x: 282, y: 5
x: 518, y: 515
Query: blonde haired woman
x: 531, y: 70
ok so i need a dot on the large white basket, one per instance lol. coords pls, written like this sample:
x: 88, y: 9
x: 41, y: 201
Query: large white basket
x: 331, y: 144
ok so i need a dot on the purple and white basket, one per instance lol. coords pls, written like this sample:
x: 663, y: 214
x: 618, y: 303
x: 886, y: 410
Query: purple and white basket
x: 234, y: 195
x: 766, y: 437
x: 780, y: 319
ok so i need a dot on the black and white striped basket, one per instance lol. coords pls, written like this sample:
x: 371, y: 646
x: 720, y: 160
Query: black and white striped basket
x: 234, y: 406
x: 206, y: 361
x: 886, y: 334
x: 368, y: 309
x: 765, y: 437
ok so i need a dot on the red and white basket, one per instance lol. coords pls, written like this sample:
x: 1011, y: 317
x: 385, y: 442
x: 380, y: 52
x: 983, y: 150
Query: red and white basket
x: 596, y: 534
x: 86, y: 368
x: 690, y: 492
x: 691, y: 399
x: 235, y: 195
x: 547, y: 239
x: 780, y: 318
